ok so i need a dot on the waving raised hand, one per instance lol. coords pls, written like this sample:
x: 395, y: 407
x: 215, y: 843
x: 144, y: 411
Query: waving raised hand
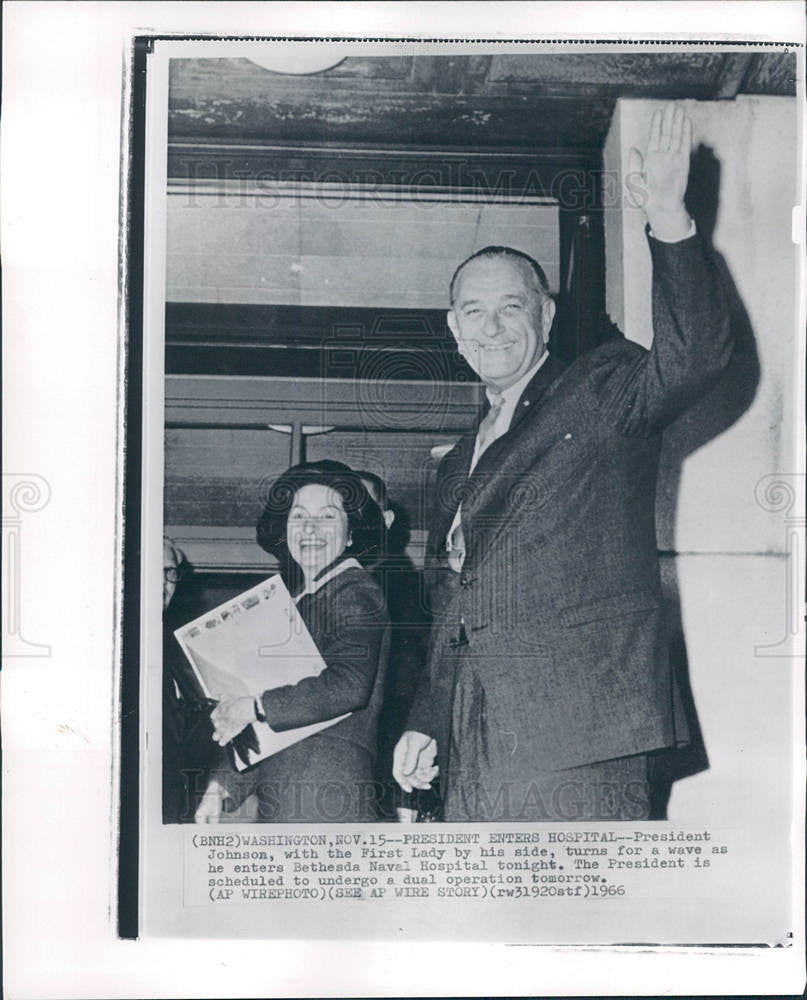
x: 657, y: 180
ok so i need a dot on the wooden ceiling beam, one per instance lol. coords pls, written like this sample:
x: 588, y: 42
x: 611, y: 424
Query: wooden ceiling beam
x: 521, y: 122
x: 553, y: 102
x: 732, y: 75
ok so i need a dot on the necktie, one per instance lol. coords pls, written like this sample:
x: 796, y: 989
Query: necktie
x: 485, y: 436
x: 487, y: 432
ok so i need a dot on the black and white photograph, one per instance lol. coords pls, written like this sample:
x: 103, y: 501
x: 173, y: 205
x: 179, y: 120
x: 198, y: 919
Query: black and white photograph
x: 469, y: 392
x: 460, y: 395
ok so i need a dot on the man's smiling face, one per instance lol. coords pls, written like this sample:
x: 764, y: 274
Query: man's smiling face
x: 500, y: 318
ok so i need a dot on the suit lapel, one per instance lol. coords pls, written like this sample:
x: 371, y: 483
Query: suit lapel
x: 480, y: 488
x: 504, y: 461
x: 532, y: 396
x: 535, y: 389
x: 451, y: 483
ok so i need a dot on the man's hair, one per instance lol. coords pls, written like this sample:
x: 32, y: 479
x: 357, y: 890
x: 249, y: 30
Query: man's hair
x: 510, y: 253
x: 178, y: 556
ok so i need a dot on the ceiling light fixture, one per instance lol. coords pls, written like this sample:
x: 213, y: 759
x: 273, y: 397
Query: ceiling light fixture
x: 298, y: 60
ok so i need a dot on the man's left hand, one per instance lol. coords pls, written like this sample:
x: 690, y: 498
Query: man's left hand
x: 658, y: 180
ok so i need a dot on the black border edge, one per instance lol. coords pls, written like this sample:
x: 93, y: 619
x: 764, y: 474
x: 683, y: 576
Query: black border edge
x: 134, y: 222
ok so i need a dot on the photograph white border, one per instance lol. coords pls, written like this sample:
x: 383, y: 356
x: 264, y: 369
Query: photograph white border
x: 63, y: 76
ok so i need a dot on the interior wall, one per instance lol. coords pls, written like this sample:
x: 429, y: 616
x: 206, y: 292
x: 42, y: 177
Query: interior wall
x: 314, y: 247
x: 726, y: 487
x: 336, y: 246
x: 743, y: 188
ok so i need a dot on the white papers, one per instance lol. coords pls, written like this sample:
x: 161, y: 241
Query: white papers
x: 251, y: 644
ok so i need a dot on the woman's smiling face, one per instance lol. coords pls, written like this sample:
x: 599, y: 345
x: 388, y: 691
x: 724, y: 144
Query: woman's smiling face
x: 317, y: 529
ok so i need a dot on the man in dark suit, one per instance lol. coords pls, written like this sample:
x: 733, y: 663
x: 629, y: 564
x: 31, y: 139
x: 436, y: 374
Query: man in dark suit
x: 188, y: 748
x: 401, y: 585
x: 548, y: 681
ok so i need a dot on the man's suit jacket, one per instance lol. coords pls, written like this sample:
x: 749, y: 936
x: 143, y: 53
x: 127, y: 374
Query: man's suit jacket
x: 562, y: 659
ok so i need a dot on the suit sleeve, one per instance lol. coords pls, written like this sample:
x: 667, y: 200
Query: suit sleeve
x: 446, y: 496
x: 350, y: 644
x: 421, y: 715
x: 692, y: 343
x: 429, y: 707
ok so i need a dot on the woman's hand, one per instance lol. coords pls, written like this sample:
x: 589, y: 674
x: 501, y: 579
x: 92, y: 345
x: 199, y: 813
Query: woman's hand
x: 230, y: 717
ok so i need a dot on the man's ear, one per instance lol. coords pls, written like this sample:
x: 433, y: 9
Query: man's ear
x: 389, y: 517
x: 453, y: 326
x: 547, y: 315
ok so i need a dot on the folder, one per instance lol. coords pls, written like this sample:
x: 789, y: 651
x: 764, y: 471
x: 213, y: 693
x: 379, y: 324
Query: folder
x: 253, y: 643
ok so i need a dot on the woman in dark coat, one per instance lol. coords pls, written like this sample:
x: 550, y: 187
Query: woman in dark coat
x: 319, y: 521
